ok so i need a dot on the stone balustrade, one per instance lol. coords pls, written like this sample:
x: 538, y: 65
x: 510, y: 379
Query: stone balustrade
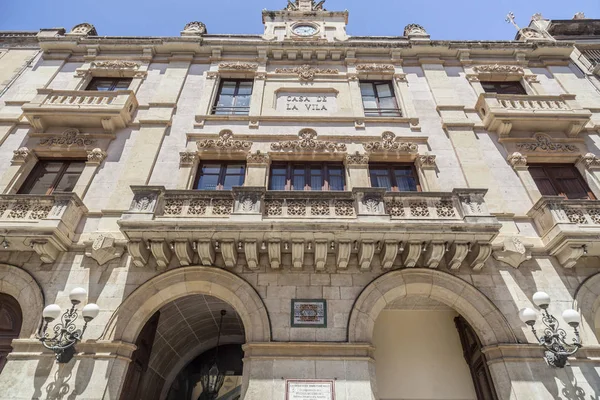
x: 109, y: 110
x: 503, y: 113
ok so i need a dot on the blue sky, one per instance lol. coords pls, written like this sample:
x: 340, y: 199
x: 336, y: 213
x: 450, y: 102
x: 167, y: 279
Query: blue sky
x: 444, y: 20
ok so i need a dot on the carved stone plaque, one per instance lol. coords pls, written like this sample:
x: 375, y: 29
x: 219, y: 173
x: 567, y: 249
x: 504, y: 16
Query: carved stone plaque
x: 307, y: 103
x: 300, y: 389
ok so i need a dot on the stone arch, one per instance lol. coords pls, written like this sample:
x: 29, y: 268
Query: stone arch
x: 129, y: 318
x: 489, y: 323
x: 587, y: 302
x: 19, y: 284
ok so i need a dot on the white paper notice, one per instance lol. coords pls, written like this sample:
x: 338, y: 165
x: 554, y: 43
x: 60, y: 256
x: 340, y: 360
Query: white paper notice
x: 309, y: 390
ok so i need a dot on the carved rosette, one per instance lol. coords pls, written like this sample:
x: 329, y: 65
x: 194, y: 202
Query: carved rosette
x: 308, y: 142
x: 115, y: 64
x: 237, y: 66
x: 388, y: 143
x: 96, y: 156
x: 224, y: 143
x: 70, y: 137
x: 194, y: 28
x: 21, y: 155
x: 590, y: 161
x: 187, y: 158
x: 426, y: 161
x: 380, y: 68
x: 258, y: 159
x: 84, y: 29
x: 414, y: 30
x: 357, y: 159
x: 307, y: 72
x: 517, y: 160
x: 544, y: 144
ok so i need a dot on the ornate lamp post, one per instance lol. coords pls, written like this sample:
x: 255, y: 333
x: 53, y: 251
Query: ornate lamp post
x: 212, y: 379
x: 66, y: 334
x: 557, y: 350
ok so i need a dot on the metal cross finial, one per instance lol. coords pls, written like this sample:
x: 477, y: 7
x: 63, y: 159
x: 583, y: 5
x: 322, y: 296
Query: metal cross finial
x: 510, y: 18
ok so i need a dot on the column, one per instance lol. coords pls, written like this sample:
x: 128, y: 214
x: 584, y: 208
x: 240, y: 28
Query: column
x: 519, y: 164
x: 22, y: 163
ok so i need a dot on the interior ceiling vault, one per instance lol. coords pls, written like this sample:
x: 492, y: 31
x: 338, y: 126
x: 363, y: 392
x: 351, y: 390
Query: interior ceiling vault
x: 188, y: 324
x: 418, y: 303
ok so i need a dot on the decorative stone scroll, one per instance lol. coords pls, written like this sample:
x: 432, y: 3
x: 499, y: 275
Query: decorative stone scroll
x: 381, y: 68
x: 499, y: 69
x: 194, y: 28
x: 237, y: 66
x: 84, y: 29
x: 517, y: 160
x: 224, y: 143
x: 307, y: 72
x: 187, y: 158
x: 388, y: 143
x: 308, y: 142
x: 590, y: 161
x: 70, y: 137
x: 543, y: 143
x: 21, y: 155
x: 425, y: 161
x: 115, y: 64
x: 96, y: 156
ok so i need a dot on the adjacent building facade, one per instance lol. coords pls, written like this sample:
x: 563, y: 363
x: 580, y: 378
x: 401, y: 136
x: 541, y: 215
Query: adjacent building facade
x: 371, y: 213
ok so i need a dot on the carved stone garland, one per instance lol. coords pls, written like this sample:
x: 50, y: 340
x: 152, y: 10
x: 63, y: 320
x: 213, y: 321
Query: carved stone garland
x: 414, y: 30
x: 187, y: 157
x: 195, y: 28
x: 84, y: 29
x: 382, y: 68
x: 387, y: 143
x: 308, y: 141
x: 115, y: 64
x: 237, y: 66
x: 544, y: 143
x: 499, y: 69
x: 357, y: 159
x: 306, y: 72
x: 225, y: 142
x: 258, y: 158
x: 70, y: 137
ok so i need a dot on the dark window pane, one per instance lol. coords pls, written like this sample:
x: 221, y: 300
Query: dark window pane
x: 367, y: 89
x: 208, y: 182
x: 384, y: 90
x: 323, y: 176
x: 214, y: 176
x: 379, y: 99
x: 109, y: 84
x: 50, y: 176
x: 560, y: 180
x: 231, y: 181
x: 503, y: 87
x: 233, y: 98
x: 394, y: 178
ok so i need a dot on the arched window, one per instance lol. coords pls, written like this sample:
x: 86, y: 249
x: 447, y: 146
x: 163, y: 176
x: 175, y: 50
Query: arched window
x: 11, y: 319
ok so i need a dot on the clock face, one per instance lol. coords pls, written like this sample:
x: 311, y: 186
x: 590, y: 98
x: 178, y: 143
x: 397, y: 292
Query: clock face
x: 305, y: 30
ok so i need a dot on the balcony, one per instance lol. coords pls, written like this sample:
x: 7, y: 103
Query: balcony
x: 404, y: 228
x: 566, y: 226
x: 45, y: 224
x: 503, y: 113
x: 81, y: 109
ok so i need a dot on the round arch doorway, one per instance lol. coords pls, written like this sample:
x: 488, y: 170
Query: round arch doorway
x: 177, y: 342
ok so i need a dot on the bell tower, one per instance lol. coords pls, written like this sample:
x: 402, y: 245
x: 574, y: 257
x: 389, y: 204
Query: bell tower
x: 305, y: 20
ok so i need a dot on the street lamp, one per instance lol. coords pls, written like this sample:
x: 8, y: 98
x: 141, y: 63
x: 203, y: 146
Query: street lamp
x: 211, y: 378
x: 557, y: 350
x: 65, y: 332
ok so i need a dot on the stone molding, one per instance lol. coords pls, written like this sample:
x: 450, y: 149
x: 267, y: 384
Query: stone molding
x: 380, y: 68
x: 32, y: 349
x: 307, y: 72
x: 128, y: 320
x: 590, y: 161
x: 489, y: 323
x: 388, y: 143
x: 19, y: 284
x: 308, y: 142
x: 543, y: 143
x: 226, y: 142
x: 517, y: 160
x: 96, y: 156
x: 314, y: 350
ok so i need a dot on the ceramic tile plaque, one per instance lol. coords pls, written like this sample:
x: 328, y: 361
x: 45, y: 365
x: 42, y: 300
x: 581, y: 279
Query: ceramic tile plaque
x: 301, y: 389
x: 309, y: 313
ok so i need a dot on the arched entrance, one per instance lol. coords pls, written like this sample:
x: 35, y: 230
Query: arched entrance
x: 188, y: 301
x: 587, y: 302
x: 414, y: 318
x: 11, y: 319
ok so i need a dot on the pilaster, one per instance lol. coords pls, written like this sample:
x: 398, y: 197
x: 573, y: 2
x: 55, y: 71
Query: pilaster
x: 357, y: 167
x: 21, y: 165
x: 519, y: 164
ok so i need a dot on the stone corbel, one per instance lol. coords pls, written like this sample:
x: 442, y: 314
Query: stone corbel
x: 320, y: 254
x: 187, y: 158
x: 161, y: 252
x: 206, y: 252
x: 251, y: 251
x: 139, y: 252
x: 426, y: 161
x: 184, y: 252
x: 589, y: 161
x: 456, y: 255
x: 388, y: 254
x: 22, y: 156
x: 344, y: 249
x: 513, y: 252
x: 275, y: 254
x: 47, y: 251
x: 479, y: 254
x: 96, y: 156
x: 298, y: 253
x: 411, y: 254
x: 504, y: 128
x: 569, y: 256
x: 229, y: 253
x: 365, y: 254
x: 434, y: 254
x: 518, y: 161
x: 103, y: 249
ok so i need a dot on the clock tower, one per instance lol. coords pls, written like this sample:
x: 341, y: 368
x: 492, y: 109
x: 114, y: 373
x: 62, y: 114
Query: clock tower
x: 305, y: 20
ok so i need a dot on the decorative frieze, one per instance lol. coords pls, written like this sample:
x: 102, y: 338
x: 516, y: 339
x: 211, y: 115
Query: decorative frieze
x: 115, y: 64
x: 307, y: 72
x: 308, y: 142
x: 96, y: 156
x: 258, y: 159
x: 388, y: 143
x: 187, y: 158
x: 70, y: 137
x: 226, y: 142
x: 499, y: 69
x: 379, y: 68
x: 543, y: 143
x: 357, y: 159
x: 237, y: 66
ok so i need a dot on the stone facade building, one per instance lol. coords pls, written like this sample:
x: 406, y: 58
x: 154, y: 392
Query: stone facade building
x: 371, y: 212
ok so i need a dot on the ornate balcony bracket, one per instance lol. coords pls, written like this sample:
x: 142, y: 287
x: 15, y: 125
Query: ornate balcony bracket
x: 320, y: 254
x: 456, y: 255
x: 366, y: 252
x: 344, y: 249
x: 388, y: 254
x: 275, y: 253
x: 183, y: 252
x: 206, y: 252
x: 251, y: 251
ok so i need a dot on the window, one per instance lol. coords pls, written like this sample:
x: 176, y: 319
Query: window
x: 233, y: 98
x: 379, y: 100
x: 216, y: 175
x: 307, y: 176
x: 109, y: 84
x: 53, y: 176
x: 395, y: 178
x: 560, y: 180
x: 503, y: 87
